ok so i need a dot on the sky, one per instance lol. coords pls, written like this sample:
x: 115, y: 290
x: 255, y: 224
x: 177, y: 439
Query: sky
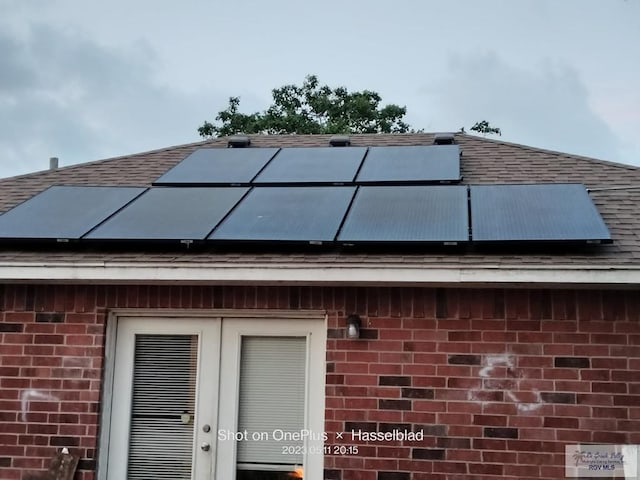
x: 86, y: 80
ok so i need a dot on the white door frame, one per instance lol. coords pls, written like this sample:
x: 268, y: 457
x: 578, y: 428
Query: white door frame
x: 262, y: 321
x: 208, y: 333
x: 232, y: 333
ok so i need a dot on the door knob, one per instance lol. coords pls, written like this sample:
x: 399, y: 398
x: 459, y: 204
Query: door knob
x: 205, y: 447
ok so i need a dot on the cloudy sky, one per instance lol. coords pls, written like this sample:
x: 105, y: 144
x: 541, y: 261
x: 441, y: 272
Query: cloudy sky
x: 85, y: 80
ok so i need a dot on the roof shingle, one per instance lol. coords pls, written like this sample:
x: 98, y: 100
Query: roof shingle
x: 615, y: 189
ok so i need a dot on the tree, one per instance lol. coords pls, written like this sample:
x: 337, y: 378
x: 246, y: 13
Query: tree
x: 484, y: 128
x: 311, y: 108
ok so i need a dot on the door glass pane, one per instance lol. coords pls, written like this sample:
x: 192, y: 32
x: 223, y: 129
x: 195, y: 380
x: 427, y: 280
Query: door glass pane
x: 271, y: 414
x: 265, y: 475
x: 163, y: 406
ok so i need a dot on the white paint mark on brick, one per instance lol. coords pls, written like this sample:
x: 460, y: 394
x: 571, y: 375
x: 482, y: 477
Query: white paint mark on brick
x: 71, y: 362
x: 490, y: 370
x: 491, y: 361
x: 33, y: 394
x: 530, y: 407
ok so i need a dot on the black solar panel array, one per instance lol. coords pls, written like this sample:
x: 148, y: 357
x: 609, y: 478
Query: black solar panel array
x: 424, y: 164
x: 292, y: 214
x: 171, y: 213
x: 64, y: 212
x: 313, y: 165
x: 348, y: 195
x: 413, y: 164
x: 218, y: 166
x: 543, y: 212
x: 407, y: 214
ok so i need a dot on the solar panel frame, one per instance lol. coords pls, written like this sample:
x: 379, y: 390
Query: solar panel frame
x: 560, y: 212
x: 407, y: 214
x: 63, y: 212
x: 413, y: 164
x: 218, y: 166
x: 313, y: 165
x: 287, y: 214
x: 170, y: 213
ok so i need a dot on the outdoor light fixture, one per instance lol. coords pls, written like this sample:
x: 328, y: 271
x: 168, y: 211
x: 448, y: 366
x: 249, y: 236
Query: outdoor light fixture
x: 353, y: 326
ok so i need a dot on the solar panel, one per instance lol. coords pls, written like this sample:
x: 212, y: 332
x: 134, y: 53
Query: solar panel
x: 553, y: 212
x: 223, y: 166
x: 329, y: 165
x: 64, y: 212
x: 407, y: 214
x: 423, y: 163
x: 305, y: 214
x: 166, y: 213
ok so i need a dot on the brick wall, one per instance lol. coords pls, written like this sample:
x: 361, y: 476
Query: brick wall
x: 497, y: 380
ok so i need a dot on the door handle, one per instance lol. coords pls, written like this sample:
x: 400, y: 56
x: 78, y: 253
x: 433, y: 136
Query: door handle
x: 205, y: 447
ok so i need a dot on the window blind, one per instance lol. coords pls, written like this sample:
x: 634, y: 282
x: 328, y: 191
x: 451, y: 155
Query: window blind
x: 164, y: 388
x: 272, y: 399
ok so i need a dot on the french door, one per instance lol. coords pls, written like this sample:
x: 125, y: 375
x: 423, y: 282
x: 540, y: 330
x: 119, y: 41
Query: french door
x: 206, y: 398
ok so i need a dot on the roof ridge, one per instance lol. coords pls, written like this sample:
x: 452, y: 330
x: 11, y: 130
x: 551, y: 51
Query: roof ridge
x: 220, y: 141
x: 530, y: 148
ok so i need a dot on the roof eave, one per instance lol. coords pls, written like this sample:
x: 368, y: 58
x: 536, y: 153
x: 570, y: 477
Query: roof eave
x: 336, y: 274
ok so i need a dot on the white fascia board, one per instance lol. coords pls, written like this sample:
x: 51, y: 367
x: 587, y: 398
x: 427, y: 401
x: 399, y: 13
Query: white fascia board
x: 316, y: 274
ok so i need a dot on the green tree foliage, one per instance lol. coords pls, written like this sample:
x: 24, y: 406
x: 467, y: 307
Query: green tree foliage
x: 485, y: 128
x: 311, y: 108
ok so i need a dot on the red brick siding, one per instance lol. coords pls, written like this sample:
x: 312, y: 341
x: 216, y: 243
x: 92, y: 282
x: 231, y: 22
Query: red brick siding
x: 499, y: 380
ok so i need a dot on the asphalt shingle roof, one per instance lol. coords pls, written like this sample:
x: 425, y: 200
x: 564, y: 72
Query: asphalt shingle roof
x: 615, y: 189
